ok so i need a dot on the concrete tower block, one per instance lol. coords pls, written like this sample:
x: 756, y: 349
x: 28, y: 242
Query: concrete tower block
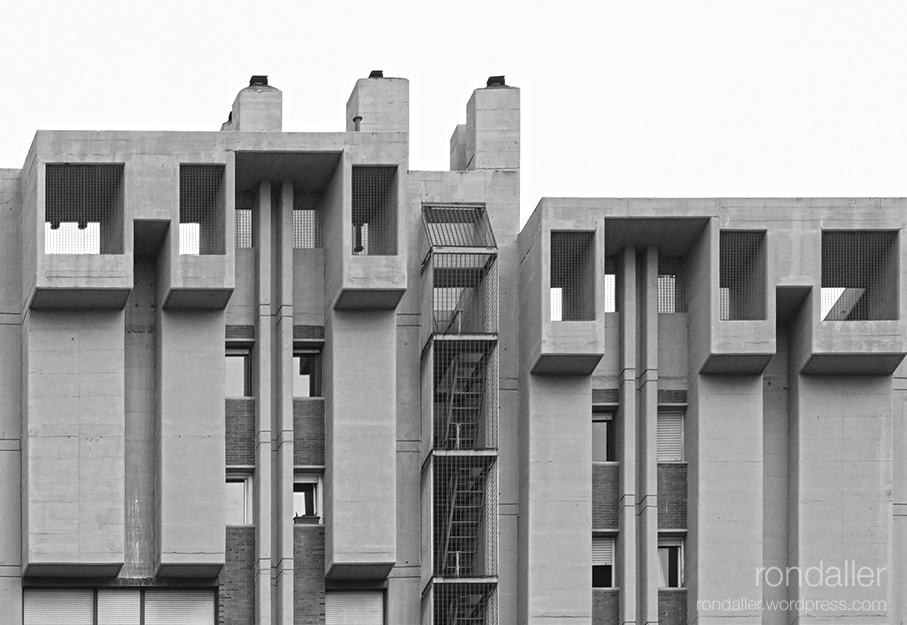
x: 458, y: 148
x: 493, y: 128
x: 381, y: 104
x: 258, y: 107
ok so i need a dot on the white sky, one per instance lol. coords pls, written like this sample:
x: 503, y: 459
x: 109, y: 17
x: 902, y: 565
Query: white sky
x: 619, y: 99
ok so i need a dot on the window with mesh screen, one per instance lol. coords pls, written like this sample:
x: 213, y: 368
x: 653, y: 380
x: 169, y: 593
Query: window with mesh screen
x: 307, y: 226
x: 201, y: 209
x: 741, y: 266
x: 83, y: 209
x: 374, y: 211
x: 453, y: 225
x: 572, y: 292
x: 671, y: 293
x: 461, y: 603
x: 243, y: 212
x: 610, y: 284
x: 859, y: 275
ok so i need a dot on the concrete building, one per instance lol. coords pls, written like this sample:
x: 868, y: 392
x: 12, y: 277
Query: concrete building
x: 255, y: 376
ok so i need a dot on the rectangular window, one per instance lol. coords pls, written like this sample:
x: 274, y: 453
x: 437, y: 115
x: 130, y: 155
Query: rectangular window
x: 741, y: 269
x: 374, y: 211
x: 83, y: 209
x: 610, y: 284
x: 670, y: 436
x: 572, y: 276
x: 238, y: 373
x: 243, y: 227
x: 117, y: 606
x: 238, y: 501
x: 670, y: 563
x: 307, y: 228
x: 602, y: 562
x: 306, y: 373
x: 859, y: 275
x: 603, y: 438
x: 306, y: 499
x: 349, y: 607
x: 201, y: 228
x: 671, y: 288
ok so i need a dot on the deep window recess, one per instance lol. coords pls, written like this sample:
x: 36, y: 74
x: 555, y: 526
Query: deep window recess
x: 117, y: 606
x: 306, y: 499
x: 201, y: 209
x: 671, y: 293
x: 243, y: 221
x: 307, y: 228
x: 238, y: 373
x: 741, y: 267
x: 361, y: 607
x: 572, y: 293
x: 859, y: 275
x: 603, y: 438
x: 306, y: 373
x: 670, y: 436
x: 374, y: 211
x: 602, y: 562
x: 670, y: 563
x: 83, y: 209
x: 238, y: 493
x: 610, y: 284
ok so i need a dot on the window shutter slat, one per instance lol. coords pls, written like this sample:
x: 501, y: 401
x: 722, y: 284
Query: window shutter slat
x: 670, y: 436
x: 354, y: 608
x: 179, y: 607
x: 602, y: 551
x: 119, y: 607
x: 53, y: 607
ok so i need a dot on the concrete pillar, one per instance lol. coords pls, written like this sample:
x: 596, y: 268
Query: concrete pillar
x: 627, y: 436
x: 282, y: 423
x: 647, y: 423
x: 262, y: 388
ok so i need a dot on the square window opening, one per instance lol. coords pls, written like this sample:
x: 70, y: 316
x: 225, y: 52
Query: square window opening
x: 83, y: 209
x: 202, y: 225
x: 859, y: 276
x: 572, y: 287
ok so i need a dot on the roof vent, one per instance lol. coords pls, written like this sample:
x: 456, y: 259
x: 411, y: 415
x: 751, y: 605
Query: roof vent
x: 258, y: 80
x: 495, y: 81
x: 377, y: 73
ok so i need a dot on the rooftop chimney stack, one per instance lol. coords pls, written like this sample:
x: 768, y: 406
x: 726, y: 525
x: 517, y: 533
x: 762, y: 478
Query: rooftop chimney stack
x: 381, y: 104
x: 490, y: 139
x: 258, y: 107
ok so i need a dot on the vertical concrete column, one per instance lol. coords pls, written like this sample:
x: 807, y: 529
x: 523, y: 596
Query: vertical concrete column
x: 262, y: 388
x: 282, y: 423
x: 647, y: 424
x: 899, y: 494
x: 626, y: 433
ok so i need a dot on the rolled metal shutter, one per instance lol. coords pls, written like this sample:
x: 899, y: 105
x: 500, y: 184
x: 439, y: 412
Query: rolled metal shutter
x: 58, y: 607
x: 119, y: 607
x: 179, y: 607
x: 602, y: 551
x: 353, y: 608
x: 670, y: 436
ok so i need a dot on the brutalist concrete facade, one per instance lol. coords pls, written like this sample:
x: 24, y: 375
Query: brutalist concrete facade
x: 628, y: 412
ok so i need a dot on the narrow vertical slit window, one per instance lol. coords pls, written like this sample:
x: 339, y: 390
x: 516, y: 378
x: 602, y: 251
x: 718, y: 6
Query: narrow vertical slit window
x: 603, y: 438
x: 201, y: 228
x: 671, y: 286
x: 572, y: 284
x: 602, y: 562
x: 742, y: 282
x: 610, y: 284
x: 307, y: 227
x: 374, y: 211
x: 859, y: 275
x: 83, y: 209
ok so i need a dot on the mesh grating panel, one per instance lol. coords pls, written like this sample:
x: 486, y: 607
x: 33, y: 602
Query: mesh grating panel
x: 859, y: 275
x: 464, y: 604
x: 465, y: 395
x: 610, y: 284
x: 671, y: 286
x: 741, y: 275
x: 457, y: 226
x: 307, y: 226
x: 460, y: 294
x: 83, y: 209
x: 243, y: 227
x: 201, y: 209
x: 374, y: 211
x: 464, y: 515
x: 572, y: 276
